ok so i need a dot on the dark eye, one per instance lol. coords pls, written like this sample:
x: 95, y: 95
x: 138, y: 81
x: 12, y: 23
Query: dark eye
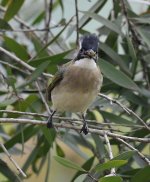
x: 81, y: 50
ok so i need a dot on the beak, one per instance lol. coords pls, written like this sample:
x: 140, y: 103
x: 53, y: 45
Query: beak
x: 90, y: 53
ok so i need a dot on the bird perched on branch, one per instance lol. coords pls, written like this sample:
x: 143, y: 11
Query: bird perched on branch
x: 78, y: 82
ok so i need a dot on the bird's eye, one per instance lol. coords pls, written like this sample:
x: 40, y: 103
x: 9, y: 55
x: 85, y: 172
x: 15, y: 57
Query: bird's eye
x: 81, y: 50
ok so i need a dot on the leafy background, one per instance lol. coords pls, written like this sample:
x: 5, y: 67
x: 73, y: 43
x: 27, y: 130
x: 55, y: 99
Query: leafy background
x: 44, y: 34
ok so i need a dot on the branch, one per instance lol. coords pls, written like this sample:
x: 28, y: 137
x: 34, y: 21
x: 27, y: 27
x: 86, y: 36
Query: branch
x: 77, y: 23
x: 31, y: 29
x: 20, y: 62
x: 42, y: 97
x: 12, y: 160
x: 113, y: 172
x: 137, y: 41
x: 77, y: 121
x: 62, y: 125
x: 48, y: 9
x: 138, y: 152
x: 127, y: 110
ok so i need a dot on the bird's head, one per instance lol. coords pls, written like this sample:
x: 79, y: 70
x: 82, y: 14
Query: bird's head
x: 88, y: 47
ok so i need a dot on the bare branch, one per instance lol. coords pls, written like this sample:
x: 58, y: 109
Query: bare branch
x: 77, y: 23
x: 77, y: 121
x: 12, y: 160
x: 127, y: 110
x: 43, y: 98
x: 48, y: 9
x: 31, y: 29
x: 62, y: 125
x: 20, y: 62
x: 138, y: 152
x: 137, y: 41
x: 113, y: 172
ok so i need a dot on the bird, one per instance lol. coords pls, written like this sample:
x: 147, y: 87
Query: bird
x: 77, y: 83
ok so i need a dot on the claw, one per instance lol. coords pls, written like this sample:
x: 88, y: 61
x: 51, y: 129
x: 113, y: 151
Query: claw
x: 49, y: 122
x: 84, y: 129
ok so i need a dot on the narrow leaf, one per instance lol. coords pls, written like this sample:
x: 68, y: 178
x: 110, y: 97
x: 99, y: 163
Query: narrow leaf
x: 6, y: 171
x: 117, y: 76
x: 111, y: 179
x: 87, y: 166
x: 112, y: 26
x: 125, y: 155
x: 68, y: 163
x: 12, y: 9
x: 38, y: 71
x: 54, y: 59
x: 4, y: 25
x: 142, y: 176
x: 115, y: 57
x: 110, y: 164
x: 17, y: 48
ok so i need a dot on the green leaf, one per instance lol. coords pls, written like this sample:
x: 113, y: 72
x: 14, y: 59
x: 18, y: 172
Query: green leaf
x: 115, y: 57
x: 111, y: 179
x: 6, y: 171
x: 87, y: 166
x: 132, y: 54
x: 38, y: 71
x: 84, y: 19
x: 145, y: 34
x: 69, y: 164
x: 39, y: 18
x: 116, y: 119
x: 117, y: 76
x: 104, y: 21
x: 55, y: 59
x: 142, y: 176
x: 110, y: 164
x: 4, y: 25
x: 59, y: 151
x: 12, y: 9
x: 50, y: 134
x: 28, y: 132
x: 125, y: 155
x: 17, y: 48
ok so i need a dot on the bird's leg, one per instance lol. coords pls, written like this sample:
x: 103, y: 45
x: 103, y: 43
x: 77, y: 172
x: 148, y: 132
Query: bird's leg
x: 49, y: 121
x: 84, y: 128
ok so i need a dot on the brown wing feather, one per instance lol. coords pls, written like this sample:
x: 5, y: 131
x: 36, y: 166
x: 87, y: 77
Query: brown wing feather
x: 57, y: 78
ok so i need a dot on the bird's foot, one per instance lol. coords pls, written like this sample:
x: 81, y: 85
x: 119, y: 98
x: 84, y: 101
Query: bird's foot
x: 49, y: 124
x: 49, y: 121
x: 84, y: 129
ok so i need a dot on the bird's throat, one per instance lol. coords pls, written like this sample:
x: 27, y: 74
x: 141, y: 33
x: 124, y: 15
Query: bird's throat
x: 86, y: 63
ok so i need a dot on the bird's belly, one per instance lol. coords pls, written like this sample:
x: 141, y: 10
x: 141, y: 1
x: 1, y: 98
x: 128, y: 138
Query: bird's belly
x: 72, y: 101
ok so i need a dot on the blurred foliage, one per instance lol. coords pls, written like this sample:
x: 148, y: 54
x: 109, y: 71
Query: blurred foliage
x: 43, y: 35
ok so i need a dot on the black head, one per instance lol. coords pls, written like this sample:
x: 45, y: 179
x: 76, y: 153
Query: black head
x: 88, y: 47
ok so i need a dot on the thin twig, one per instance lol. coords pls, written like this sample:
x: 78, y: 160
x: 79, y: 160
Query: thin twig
x: 12, y: 160
x: 64, y: 125
x: 14, y: 67
x: 137, y: 41
x: 77, y: 23
x: 24, y: 24
x: 48, y: 9
x: 113, y: 172
x: 127, y: 110
x: 42, y: 97
x: 138, y: 152
x: 20, y: 62
x: 93, y: 122
x: 31, y: 29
